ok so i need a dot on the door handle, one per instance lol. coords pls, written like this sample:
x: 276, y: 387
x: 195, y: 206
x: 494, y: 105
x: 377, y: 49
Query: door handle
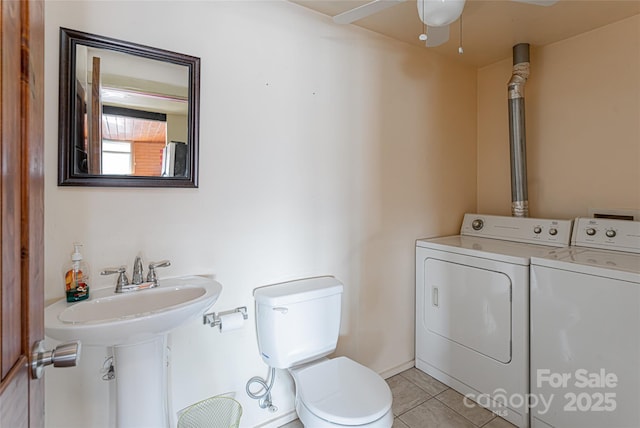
x: 64, y: 355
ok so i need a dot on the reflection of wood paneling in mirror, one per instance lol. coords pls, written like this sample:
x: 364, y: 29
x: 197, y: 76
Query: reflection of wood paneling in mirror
x: 138, y: 101
x: 147, y: 158
x: 95, y: 134
x: 79, y: 130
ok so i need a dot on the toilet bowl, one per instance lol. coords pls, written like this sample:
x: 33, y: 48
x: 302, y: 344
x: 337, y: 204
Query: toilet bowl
x: 341, y: 392
x: 298, y: 325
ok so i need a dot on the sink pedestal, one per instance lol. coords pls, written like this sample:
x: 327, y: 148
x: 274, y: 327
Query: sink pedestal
x: 141, y: 384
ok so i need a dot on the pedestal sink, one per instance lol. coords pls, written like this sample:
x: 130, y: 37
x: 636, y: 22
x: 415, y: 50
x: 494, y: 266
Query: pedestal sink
x: 136, y: 325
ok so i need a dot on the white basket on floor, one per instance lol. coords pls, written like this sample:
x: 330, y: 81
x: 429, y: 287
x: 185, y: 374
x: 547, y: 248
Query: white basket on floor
x: 214, y: 412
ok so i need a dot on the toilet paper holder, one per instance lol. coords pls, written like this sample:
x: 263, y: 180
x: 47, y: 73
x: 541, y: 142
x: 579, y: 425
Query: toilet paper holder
x: 213, y: 318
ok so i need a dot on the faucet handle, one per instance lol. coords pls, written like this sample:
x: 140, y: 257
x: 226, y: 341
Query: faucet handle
x: 122, y: 277
x: 152, y: 276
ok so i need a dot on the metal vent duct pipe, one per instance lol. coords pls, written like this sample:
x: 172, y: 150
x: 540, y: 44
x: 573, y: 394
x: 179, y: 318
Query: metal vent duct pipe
x: 517, y: 137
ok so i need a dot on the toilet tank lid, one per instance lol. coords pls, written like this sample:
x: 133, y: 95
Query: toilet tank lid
x: 299, y: 290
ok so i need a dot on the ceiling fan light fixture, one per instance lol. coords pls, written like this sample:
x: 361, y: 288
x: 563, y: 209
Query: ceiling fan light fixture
x: 438, y: 13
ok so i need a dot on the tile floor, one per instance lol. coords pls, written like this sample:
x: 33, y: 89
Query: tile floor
x: 420, y: 401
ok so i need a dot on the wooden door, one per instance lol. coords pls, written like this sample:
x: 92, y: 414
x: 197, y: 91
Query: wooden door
x: 21, y: 209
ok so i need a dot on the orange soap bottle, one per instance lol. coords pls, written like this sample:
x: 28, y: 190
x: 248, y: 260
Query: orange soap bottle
x: 76, y: 277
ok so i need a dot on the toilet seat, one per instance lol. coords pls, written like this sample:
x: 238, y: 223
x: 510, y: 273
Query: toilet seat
x: 342, y: 391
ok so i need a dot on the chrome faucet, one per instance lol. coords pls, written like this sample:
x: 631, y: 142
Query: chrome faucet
x: 137, y: 277
x: 137, y: 283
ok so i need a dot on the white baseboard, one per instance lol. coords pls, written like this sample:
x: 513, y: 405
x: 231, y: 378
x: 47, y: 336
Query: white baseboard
x: 386, y: 374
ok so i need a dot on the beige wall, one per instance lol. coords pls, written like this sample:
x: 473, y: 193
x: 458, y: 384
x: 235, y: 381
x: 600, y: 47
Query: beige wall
x: 583, y: 126
x: 324, y: 149
x: 177, y: 127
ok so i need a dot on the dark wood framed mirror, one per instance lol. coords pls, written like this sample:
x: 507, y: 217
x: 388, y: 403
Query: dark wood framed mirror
x: 129, y: 114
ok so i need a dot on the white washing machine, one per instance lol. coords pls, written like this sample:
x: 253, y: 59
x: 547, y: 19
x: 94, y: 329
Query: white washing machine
x: 585, y: 329
x: 472, y: 307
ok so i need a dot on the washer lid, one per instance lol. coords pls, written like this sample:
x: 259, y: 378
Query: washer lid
x: 609, y: 264
x: 343, y: 392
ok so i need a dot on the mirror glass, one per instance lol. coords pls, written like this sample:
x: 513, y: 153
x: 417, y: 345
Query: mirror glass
x: 129, y: 114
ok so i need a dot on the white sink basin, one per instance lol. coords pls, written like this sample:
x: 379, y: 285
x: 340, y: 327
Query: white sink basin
x: 110, y: 319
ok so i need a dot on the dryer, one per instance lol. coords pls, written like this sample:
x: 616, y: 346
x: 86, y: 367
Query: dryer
x: 585, y: 329
x: 472, y: 307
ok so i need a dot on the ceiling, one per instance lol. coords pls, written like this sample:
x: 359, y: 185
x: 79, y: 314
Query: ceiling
x: 490, y: 27
x: 123, y: 128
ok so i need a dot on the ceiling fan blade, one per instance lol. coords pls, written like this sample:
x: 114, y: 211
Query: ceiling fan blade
x: 437, y: 36
x: 538, y: 2
x: 363, y: 11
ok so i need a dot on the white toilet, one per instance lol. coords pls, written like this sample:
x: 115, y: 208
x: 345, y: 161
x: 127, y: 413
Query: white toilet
x: 298, y: 324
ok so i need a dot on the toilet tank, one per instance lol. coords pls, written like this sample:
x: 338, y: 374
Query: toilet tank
x: 298, y: 321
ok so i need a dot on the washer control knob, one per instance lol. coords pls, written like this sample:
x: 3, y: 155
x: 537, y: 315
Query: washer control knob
x: 537, y: 230
x: 553, y: 231
x: 591, y: 231
x: 477, y: 224
x: 610, y: 233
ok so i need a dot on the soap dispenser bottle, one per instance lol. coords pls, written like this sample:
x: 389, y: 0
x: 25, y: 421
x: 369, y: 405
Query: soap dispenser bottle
x: 76, y: 276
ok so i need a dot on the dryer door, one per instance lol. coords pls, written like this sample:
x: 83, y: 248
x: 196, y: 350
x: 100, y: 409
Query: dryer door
x: 470, y: 306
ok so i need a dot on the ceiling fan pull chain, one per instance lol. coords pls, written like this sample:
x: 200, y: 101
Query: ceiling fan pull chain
x: 423, y: 36
x: 460, y: 50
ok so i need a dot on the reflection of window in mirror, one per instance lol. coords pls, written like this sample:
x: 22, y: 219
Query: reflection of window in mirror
x: 116, y: 157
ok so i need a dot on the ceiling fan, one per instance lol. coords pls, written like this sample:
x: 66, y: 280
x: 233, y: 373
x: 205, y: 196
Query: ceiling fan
x: 435, y: 14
